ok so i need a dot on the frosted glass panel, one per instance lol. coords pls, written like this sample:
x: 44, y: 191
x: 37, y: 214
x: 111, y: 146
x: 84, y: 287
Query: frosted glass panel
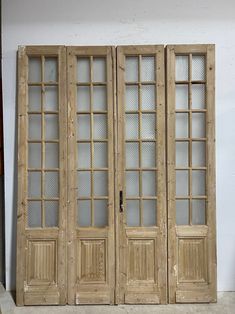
x: 181, y: 125
x: 100, y: 155
x: 132, y: 98
x: 181, y: 68
x: 51, y: 69
x: 181, y: 182
x: 198, y: 96
x: 100, y: 98
x: 34, y: 127
x: 100, y: 183
x: 83, y: 155
x: 132, y: 155
x: 83, y: 98
x: 84, y: 183
x: 132, y: 183
x: 198, y: 182
x: 34, y: 214
x: 182, y: 212
x: 52, y: 155
x: 100, y: 213
x: 99, y: 70
x: 51, y: 184
x: 83, y: 127
x: 149, y: 212
x: 51, y: 98
x: 198, y: 154
x: 34, y: 98
x: 131, y: 69
x: 148, y: 126
x: 34, y: 184
x: 34, y: 155
x: 148, y: 69
x: 198, y: 212
x: 100, y: 126
x: 198, y: 68
x: 181, y: 154
x: 84, y: 213
x: 51, y: 213
x: 148, y: 154
x: 149, y: 186
x: 34, y: 69
x: 148, y: 97
x: 51, y: 127
x: 132, y: 213
x: 132, y: 124
x: 181, y: 96
x: 83, y: 70
x: 198, y: 125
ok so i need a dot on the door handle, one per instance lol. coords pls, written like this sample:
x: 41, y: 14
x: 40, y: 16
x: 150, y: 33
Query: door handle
x: 121, y: 202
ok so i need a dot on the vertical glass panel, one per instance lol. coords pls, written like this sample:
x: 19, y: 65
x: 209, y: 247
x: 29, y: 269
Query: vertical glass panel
x: 34, y: 155
x: 198, y: 68
x: 34, y: 69
x: 51, y: 184
x: 99, y: 70
x: 198, y: 125
x: 132, y: 183
x: 132, y: 213
x: 100, y: 126
x: 83, y: 98
x: 52, y: 155
x: 132, y: 155
x: 148, y: 126
x: 181, y: 125
x: 84, y: 213
x: 51, y: 69
x: 198, y: 96
x: 34, y: 127
x: 83, y: 126
x: 198, y: 154
x: 148, y: 69
x: 83, y: 155
x: 182, y: 212
x: 132, y: 99
x: 51, y: 98
x: 131, y: 69
x: 181, y: 96
x: 149, y: 212
x: 100, y: 183
x: 51, y: 127
x: 198, y: 182
x: 148, y: 97
x: 181, y: 154
x: 83, y: 70
x: 100, y: 98
x: 84, y: 183
x: 181, y: 182
x: 198, y: 212
x: 51, y: 213
x: 148, y: 155
x: 34, y: 214
x: 34, y: 98
x: 181, y: 68
x: 34, y: 184
x: 100, y: 213
x: 149, y: 186
x: 132, y: 126
x: 100, y: 155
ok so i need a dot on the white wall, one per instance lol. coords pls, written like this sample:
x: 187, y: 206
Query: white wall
x: 108, y: 22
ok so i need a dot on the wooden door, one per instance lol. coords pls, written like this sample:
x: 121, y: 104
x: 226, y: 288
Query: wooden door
x: 141, y: 249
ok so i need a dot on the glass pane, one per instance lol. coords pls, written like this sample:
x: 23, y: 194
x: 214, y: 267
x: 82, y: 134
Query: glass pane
x: 34, y: 98
x: 198, y: 212
x: 34, y: 155
x: 34, y: 214
x: 34, y: 69
x: 198, y: 68
x: 148, y: 97
x: 149, y: 212
x: 34, y: 184
x: 100, y: 98
x: 100, y: 126
x: 84, y: 183
x: 148, y: 69
x: 132, y: 126
x: 51, y: 184
x: 181, y: 182
x: 198, y: 182
x: 198, y: 125
x: 34, y: 127
x: 132, y: 183
x: 148, y: 155
x: 149, y: 186
x: 83, y: 127
x: 100, y: 183
x: 132, y: 102
x: 132, y: 213
x: 83, y: 155
x: 83, y: 98
x: 51, y: 127
x: 83, y: 70
x: 100, y: 155
x: 99, y: 70
x: 148, y: 126
x: 198, y: 96
x: 84, y: 213
x: 51, y: 98
x: 181, y: 154
x: 51, y: 213
x: 52, y: 155
x: 100, y: 213
x: 131, y: 69
x: 181, y: 96
x: 51, y: 69
x: 132, y: 155
x: 182, y: 212
x: 199, y: 154
x: 181, y: 68
x: 181, y: 125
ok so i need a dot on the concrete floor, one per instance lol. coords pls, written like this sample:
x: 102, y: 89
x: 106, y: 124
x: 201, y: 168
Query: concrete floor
x: 225, y: 305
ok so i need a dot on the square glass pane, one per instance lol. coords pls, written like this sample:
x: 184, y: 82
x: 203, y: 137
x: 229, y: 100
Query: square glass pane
x: 100, y: 155
x: 198, y: 154
x: 100, y: 126
x: 148, y: 126
x: 99, y: 69
x: 198, y: 68
x: 52, y: 155
x: 132, y: 126
x: 198, y: 182
x: 198, y: 125
x: 131, y: 70
x: 148, y: 155
x: 198, y: 96
x: 148, y: 97
x: 182, y: 212
x: 51, y: 127
x: 100, y: 213
x: 181, y: 125
x: 51, y: 73
x: 84, y: 183
x: 34, y: 70
x: 198, y: 212
x: 148, y: 69
x: 181, y: 154
x: 84, y: 213
x: 34, y: 214
x: 51, y: 213
x: 132, y: 155
x: 34, y: 132
x: 51, y: 98
x: 149, y: 212
x: 83, y: 155
x: 83, y: 70
x: 100, y: 183
x: 132, y: 98
x: 34, y: 98
x: 132, y: 213
x: 182, y: 182
x: 83, y: 98
x: 51, y: 184
x: 99, y: 98
x: 34, y: 184
x: 132, y: 183
x: 181, y: 96
x: 83, y: 127
x: 149, y: 183
x: 181, y: 68
x: 34, y: 155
